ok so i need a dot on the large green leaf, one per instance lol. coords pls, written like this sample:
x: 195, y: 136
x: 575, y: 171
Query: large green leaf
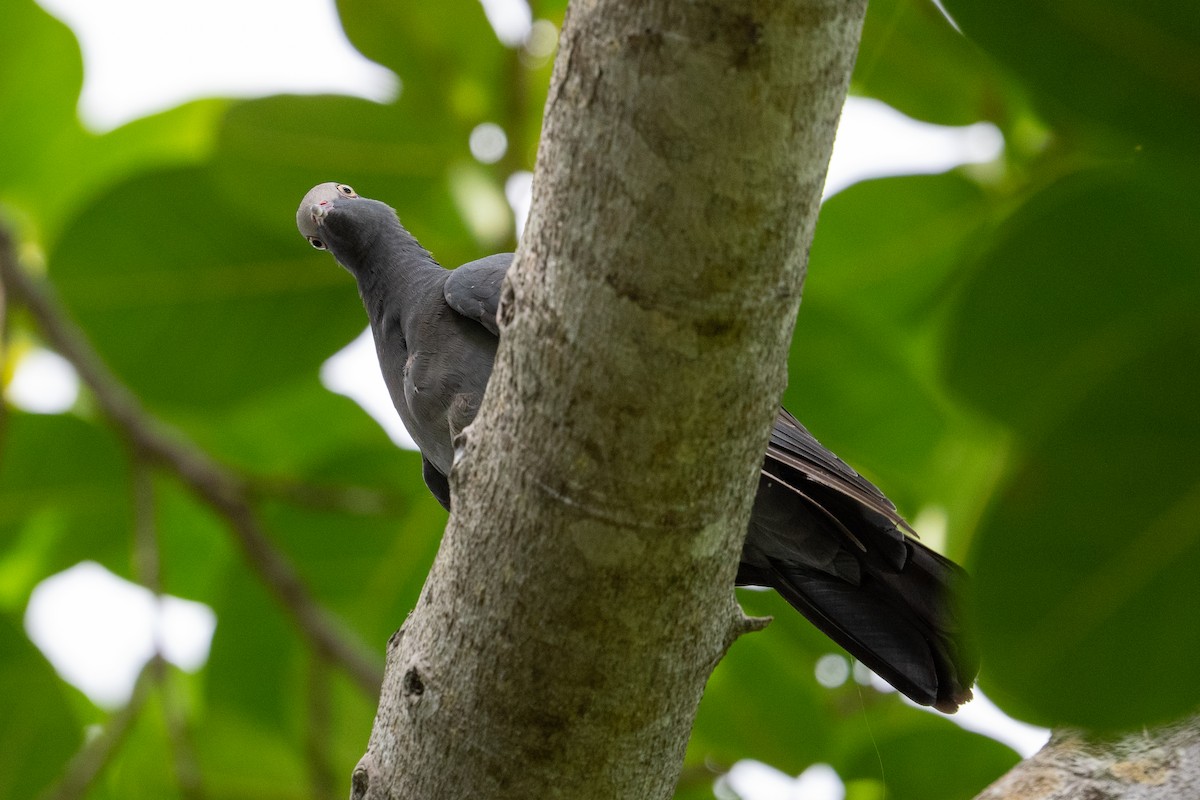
x: 1086, y: 569
x: 38, y: 731
x: 64, y: 498
x: 1078, y: 330
x: 888, y: 251
x: 39, y: 112
x: 260, y: 684
x: 885, y: 255
x: 194, y: 305
x: 914, y: 60
x: 288, y: 432
x: 344, y: 501
x: 243, y: 759
x: 1130, y: 66
x: 51, y: 163
x: 446, y: 54
x: 388, y: 554
x: 272, y: 151
x: 919, y: 756
x: 1087, y: 274
x: 196, y: 549
x: 865, y: 398
x: 257, y: 662
x: 143, y: 768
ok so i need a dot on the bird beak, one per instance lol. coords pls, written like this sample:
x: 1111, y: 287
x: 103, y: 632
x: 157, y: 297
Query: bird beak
x: 318, y: 212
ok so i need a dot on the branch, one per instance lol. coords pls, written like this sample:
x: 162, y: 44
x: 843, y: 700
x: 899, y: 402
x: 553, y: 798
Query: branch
x: 318, y: 730
x: 148, y: 569
x: 83, y: 768
x: 1160, y: 763
x: 357, y: 500
x: 583, y: 590
x: 216, y: 486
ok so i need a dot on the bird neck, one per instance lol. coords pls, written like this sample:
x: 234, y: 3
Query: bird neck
x: 395, y: 268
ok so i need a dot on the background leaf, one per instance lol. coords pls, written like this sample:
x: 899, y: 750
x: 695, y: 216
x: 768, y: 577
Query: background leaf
x: 912, y: 59
x: 38, y: 730
x: 1114, y: 63
x: 1009, y: 349
x: 63, y: 499
x: 194, y: 310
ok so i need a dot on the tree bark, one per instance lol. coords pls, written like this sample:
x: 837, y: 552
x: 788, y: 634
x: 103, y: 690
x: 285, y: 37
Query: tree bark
x: 1157, y: 764
x: 583, y: 590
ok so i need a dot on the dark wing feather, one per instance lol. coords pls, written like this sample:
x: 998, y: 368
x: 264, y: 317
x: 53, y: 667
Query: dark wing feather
x: 473, y: 289
x: 838, y: 551
x: 792, y: 445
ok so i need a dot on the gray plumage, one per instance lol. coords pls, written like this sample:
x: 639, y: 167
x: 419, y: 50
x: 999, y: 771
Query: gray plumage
x: 820, y: 534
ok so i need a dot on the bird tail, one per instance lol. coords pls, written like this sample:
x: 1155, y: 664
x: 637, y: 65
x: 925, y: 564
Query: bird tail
x: 905, y: 624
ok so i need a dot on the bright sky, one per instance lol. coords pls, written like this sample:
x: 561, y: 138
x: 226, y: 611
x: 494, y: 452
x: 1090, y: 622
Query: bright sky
x: 143, y: 56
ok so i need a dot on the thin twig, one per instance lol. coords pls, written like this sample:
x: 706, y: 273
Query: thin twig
x: 148, y: 569
x: 357, y: 500
x: 318, y: 731
x: 147, y: 566
x: 4, y: 356
x: 179, y: 734
x: 91, y: 759
x: 218, y: 487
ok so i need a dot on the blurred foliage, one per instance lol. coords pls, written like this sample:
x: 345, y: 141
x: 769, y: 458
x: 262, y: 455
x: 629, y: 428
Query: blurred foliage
x: 1015, y: 347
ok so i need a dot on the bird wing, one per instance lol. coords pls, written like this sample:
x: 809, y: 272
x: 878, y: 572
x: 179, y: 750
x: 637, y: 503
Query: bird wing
x: 791, y: 445
x: 473, y: 289
x: 836, y: 549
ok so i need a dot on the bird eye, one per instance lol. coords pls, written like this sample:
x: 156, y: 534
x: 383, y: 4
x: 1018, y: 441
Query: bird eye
x: 317, y: 243
x: 346, y: 190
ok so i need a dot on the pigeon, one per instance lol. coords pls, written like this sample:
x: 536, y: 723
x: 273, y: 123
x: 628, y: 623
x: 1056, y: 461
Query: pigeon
x: 820, y: 534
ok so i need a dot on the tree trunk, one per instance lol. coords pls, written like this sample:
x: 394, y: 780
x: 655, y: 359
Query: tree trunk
x: 583, y: 590
x: 1158, y: 764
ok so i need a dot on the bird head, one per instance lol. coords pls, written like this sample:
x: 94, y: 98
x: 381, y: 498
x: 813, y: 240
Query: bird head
x: 333, y: 217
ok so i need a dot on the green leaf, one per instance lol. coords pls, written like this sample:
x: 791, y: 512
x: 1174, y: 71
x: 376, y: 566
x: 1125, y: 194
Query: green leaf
x: 256, y: 664
x: 446, y: 54
x: 282, y: 764
x: 886, y: 260
x: 920, y: 756
x: 862, y: 395
x: 196, y: 548
x: 859, y: 372
x: 283, y: 433
x: 342, y: 500
x: 194, y: 305
x: 1086, y: 568
x: 38, y: 114
x: 53, y: 164
x: 368, y: 568
x: 912, y: 59
x: 38, y: 731
x: 1129, y: 66
x: 144, y: 764
x: 1078, y: 330
x: 695, y: 784
x: 1050, y: 309
x: 763, y: 701
x: 64, y: 498
x: 888, y: 251
x: 272, y: 151
x: 241, y: 758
